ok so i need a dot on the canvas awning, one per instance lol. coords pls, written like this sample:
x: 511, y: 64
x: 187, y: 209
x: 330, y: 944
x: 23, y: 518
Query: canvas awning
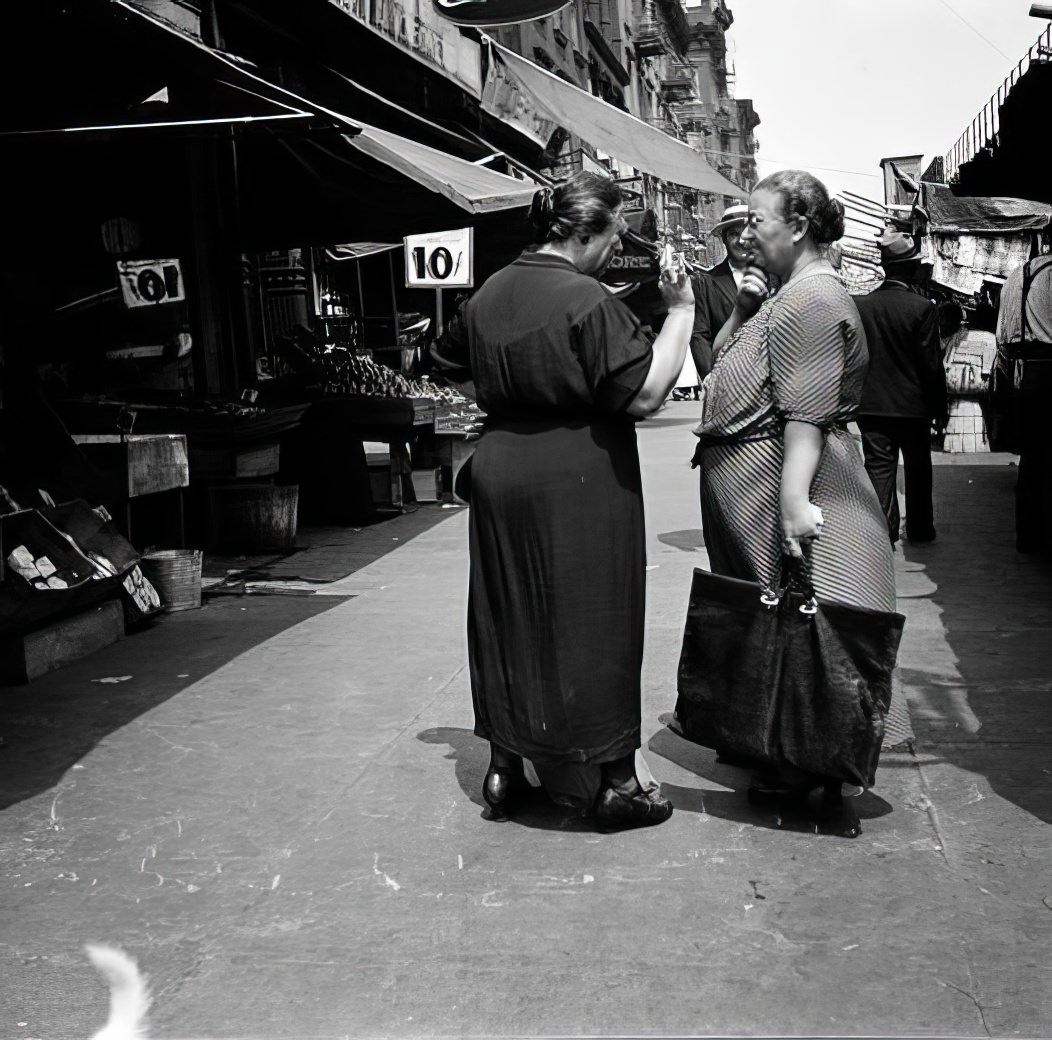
x: 474, y: 188
x: 525, y: 87
x: 471, y: 187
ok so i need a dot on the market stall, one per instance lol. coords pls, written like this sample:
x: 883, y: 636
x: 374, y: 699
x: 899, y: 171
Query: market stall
x: 972, y: 245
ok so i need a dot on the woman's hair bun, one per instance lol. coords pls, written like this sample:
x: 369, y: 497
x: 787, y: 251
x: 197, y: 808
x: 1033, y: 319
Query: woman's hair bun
x: 827, y: 221
x: 541, y: 212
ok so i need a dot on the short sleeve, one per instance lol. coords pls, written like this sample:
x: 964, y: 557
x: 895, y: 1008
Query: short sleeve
x: 615, y: 354
x: 807, y: 337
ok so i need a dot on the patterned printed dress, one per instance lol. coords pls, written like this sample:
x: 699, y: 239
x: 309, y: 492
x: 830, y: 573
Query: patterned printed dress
x: 801, y: 357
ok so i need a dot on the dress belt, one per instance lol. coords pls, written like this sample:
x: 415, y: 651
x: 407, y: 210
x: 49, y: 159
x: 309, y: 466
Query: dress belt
x: 717, y: 439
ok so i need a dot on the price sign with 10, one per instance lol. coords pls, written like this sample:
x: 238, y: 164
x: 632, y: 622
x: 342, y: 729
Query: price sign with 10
x: 440, y: 260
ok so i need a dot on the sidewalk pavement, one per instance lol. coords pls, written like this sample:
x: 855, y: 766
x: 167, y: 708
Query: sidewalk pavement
x: 278, y: 812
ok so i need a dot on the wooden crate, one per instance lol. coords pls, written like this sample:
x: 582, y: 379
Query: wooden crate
x: 145, y: 462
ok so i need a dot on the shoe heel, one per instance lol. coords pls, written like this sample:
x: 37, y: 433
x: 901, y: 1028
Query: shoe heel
x: 502, y: 791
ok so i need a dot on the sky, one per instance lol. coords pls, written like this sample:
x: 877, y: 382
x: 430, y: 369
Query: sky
x: 841, y: 84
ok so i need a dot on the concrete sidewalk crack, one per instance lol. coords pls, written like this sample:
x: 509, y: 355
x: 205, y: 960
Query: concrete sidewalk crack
x: 982, y: 1008
x: 933, y: 815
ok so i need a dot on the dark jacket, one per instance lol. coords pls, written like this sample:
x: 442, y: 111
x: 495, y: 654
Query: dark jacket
x: 905, y: 377
x: 714, y: 296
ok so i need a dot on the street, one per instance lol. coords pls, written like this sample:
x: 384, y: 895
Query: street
x: 279, y: 815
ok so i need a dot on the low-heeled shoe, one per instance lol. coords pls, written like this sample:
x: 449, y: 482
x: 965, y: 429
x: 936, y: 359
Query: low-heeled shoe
x: 504, y: 790
x: 616, y: 811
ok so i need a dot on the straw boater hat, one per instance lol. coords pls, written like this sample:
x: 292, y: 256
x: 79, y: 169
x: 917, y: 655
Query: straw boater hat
x: 732, y: 216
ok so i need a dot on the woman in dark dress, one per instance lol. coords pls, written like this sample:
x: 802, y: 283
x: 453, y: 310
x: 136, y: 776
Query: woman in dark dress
x: 558, y: 561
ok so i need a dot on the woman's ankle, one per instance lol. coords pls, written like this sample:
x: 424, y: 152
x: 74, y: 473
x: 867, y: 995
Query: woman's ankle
x: 503, y: 759
x: 621, y: 773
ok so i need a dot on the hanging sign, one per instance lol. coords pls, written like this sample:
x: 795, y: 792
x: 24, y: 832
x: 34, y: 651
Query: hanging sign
x: 496, y: 12
x: 440, y: 260
x: 145, y: 283
x: 638, y: 262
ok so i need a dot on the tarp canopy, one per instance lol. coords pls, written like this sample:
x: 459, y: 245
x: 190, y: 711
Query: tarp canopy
x: 616, y: 132
x: 974, y: 214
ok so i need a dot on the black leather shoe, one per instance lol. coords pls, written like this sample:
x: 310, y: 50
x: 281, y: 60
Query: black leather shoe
x: 835, y: 815
x: 504, y: 791
x: 616, y: 810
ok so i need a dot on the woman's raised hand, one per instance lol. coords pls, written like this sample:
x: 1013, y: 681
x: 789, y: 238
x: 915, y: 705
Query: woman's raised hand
x: 676, y: 291
x: 753, y: 290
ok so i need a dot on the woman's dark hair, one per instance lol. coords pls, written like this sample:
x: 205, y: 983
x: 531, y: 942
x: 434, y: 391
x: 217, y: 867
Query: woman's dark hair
x: 583, y: 204
x: 804, y: 195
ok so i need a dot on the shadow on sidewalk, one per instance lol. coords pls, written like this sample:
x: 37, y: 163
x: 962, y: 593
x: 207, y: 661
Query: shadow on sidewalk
x: 48, y: 725
x: 731, y: 802
x: 981, y: 699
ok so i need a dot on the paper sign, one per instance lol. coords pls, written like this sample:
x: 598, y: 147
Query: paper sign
x: 146, y: 283
x: 440, y: 260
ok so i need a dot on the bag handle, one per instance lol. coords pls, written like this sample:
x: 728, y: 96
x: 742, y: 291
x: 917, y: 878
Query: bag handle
x: 797, y: 583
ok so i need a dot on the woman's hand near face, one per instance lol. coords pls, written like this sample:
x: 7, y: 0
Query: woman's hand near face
x: 753, y: 290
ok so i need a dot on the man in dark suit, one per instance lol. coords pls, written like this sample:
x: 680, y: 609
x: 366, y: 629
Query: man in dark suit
x: 904, y: 394
x: 716, y: 289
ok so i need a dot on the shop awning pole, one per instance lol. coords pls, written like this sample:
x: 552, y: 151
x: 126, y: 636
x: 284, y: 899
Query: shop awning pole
x: 361, y: 304
x: 438, y: 312
x: 394, y: 299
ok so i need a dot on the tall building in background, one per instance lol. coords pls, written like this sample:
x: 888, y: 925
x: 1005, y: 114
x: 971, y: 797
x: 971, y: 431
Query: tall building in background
x: 716, y: 123
x: 665, y: 62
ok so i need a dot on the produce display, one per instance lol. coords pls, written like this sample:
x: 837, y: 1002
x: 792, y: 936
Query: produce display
x: 339, y: 370
x: 362, y: 375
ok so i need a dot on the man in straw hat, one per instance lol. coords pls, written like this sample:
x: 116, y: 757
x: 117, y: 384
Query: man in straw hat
x: 716, y: 289
x: 904, y: 394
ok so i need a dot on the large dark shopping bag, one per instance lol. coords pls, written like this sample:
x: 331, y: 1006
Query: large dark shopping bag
x: 783, y: 676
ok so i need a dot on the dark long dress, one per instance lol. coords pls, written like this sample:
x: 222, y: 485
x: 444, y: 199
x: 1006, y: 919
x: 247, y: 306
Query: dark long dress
x: 558, y: 565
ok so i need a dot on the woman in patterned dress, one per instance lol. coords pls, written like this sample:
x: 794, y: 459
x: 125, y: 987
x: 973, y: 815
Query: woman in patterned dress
x: 557, y: 554
x: 780, y: 471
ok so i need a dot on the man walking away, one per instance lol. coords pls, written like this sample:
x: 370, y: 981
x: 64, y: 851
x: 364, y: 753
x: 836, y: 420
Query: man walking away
x: 905, y: 389
x: 716, y: 289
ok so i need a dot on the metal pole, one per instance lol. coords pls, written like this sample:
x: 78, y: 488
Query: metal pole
x: 394, y: 298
